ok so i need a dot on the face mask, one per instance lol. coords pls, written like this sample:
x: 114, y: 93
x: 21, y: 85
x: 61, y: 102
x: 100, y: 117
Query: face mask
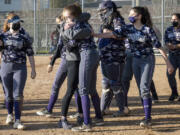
x: 132, y: 19
x: 175, y: 24
x: 16, y: 26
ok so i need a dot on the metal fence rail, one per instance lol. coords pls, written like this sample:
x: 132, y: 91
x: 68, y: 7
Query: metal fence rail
x: 39, y: 17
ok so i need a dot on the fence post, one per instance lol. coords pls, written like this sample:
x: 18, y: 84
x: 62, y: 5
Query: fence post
x: 133, y: 3
x: 162, y: 21
x: 137, y: 3
x: 46, y: 37
x: 82, y: 5
x: 35, y: 41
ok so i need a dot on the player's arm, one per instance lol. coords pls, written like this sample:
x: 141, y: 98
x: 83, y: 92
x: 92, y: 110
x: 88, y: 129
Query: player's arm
x: 172, y: 47
x: 56, y: 55
x: 1, y: 43
x: 33, y: 70
x: 157, y: 44
x: 79, y: 33
x: 116, y: 34
x: 104, y: 35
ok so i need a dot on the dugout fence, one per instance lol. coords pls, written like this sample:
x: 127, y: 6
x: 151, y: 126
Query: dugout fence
x: 39, y: 15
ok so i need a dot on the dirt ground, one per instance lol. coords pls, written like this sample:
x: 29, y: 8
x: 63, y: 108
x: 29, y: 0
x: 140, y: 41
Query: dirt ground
x: 166, y: 115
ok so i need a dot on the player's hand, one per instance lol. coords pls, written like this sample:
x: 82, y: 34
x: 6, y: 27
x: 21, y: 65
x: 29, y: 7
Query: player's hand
x: 170, y: 68
x: 33, y: 74
x: 107, y: 31
x: 49, y: 68
x: 68, y: 25
x: 50, y: 57
x: 172, y: 47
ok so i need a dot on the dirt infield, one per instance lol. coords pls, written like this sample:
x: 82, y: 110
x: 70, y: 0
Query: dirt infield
x: 166, y: 115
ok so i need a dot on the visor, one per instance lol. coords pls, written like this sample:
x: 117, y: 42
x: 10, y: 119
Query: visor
x: 15, y: 19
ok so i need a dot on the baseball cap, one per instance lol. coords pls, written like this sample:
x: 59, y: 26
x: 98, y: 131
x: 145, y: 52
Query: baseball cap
x: 15, y: 19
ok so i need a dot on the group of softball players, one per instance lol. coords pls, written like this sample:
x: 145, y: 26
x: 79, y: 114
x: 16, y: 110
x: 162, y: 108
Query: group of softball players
x: 123, y: 50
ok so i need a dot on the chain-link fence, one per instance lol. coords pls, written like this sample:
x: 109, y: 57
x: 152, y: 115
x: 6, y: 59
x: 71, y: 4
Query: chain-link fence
x: 39, y: 15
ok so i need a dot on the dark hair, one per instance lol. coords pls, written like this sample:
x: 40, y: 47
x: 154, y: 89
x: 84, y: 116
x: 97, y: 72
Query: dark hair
x: 146, y: 17
x: 177, y: 15
x: 74, y: 10
x: 117, y: 13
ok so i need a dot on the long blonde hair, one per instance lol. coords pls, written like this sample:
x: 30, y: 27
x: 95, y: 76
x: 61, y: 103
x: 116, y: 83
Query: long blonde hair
x: 6, y: 25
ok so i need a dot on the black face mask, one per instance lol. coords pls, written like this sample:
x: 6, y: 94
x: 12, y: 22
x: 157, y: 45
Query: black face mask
x: 16, y: 26
x: 175, y: 24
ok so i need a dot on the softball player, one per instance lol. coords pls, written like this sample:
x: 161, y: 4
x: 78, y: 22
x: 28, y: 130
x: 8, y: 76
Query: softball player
x: 112, y: 55
x: 88, y: 76
x: 13, y: 68
x: 59, y: 79
x: 80, y: 31
x: 142, y: 39
x: 128, y: 74
x: 61, y: 75
x: 172, y: 41
x: 126, y: 78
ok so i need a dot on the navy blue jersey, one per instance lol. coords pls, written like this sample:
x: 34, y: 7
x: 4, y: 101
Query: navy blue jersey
x: 16, y: 47
x: 142, y: 41
x: 172, y: 36
x: 113, y: 50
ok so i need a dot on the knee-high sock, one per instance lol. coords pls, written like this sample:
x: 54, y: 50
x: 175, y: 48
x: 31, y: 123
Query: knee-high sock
x: 120, y: 100
x: 126, y: 90
x: 86, y: 108
x: 17, y: 110
x: 52, y: 101
x: 147, y: 103
x: 96, y: 103
x: 9, y: 106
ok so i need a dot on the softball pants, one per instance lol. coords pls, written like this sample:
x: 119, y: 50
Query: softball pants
x: 143, y: 69
x: 175, y: 61
x: 14, y: 78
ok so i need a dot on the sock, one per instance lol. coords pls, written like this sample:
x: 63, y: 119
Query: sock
x: 126, y: 89
x: 120, y: 100
x: 147, y: 103
x: 96, y: 103
x: 17, y: 110
x: 86, y: 108
x: 174, y: 91
x: 52, y: 101
x: 9, y: 106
